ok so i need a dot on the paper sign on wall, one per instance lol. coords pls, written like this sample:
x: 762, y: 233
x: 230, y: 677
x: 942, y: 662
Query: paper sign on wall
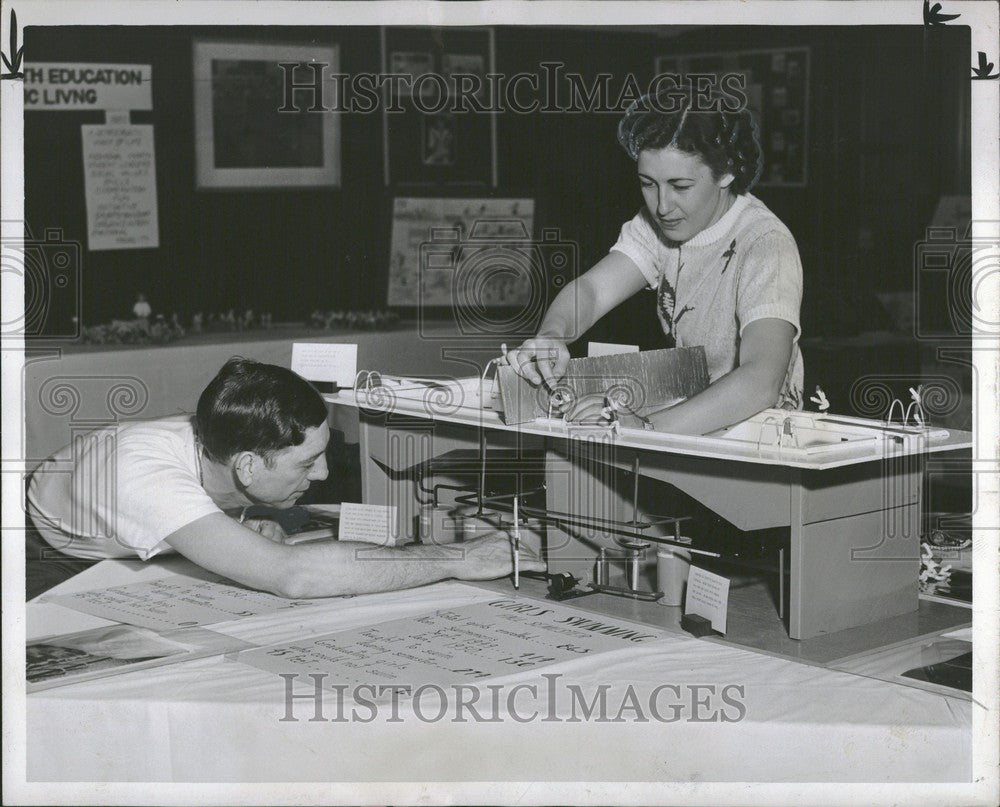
x: 609, y: 349
x: 369, y: 523
x: 708, y: 596
x: 119, y: 168
x: 65, y: 85
x: 323, y: 361
x: 437, y: 246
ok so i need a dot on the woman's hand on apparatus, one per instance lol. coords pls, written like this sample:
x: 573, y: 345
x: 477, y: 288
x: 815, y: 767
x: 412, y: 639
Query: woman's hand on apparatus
x: 598, y: 409
x: 589, y: 410
x: 543, y: 359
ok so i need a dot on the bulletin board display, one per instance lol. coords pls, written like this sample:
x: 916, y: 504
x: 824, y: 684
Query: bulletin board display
x: 463, y: 253
x: 777, y: 88
x: 428, y: 140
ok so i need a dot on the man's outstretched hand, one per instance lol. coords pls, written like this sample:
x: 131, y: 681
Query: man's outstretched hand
x: 491, y: 556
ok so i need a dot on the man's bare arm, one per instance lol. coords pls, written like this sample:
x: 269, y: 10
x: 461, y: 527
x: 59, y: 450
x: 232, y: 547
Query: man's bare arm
x: 221, y: 545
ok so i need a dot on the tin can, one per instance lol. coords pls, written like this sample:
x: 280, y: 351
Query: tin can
x: 438, y: 524
x: 672, y: 566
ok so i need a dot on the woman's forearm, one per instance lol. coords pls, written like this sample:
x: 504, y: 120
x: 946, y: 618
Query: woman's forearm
x: 544, y: 358
x: 765, y: 352
x: 593, y: 294
x: 572, y: 313
x: 735, y: 397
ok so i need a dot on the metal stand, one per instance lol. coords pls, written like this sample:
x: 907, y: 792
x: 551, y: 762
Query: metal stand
x: 629, y: 535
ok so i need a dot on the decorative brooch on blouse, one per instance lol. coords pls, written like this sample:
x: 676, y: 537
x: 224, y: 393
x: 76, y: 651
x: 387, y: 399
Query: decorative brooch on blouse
x: 728, y: 255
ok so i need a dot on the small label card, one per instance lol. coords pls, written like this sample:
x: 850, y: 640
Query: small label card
x: 609, y: 349
x: 325, y: 361
x: 708, y: 596
x: 370, y: 523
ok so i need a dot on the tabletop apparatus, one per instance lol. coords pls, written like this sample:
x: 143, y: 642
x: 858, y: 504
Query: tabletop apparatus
x: 844, y: 491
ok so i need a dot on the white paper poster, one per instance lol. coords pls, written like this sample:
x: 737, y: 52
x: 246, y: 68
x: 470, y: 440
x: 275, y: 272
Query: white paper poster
x: 176, y: 602
x: 119, y: 167
x: 471, y: 252
x: 453, y: 646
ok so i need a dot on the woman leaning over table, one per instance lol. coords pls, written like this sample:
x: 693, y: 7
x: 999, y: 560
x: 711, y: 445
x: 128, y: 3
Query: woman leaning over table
x: 725, y: 269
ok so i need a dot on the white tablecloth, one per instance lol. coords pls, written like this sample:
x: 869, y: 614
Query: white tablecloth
x: 217, y: 720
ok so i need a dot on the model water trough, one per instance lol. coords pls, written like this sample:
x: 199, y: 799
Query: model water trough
x: 808, y: 434
x: 773, y: 432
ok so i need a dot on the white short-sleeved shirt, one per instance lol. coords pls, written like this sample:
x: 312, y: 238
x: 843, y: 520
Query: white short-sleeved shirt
x: 120, y: 491
x: 744, y: 267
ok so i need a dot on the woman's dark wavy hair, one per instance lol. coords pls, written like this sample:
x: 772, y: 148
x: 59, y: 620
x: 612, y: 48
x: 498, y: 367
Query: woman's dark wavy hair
x: 250, y: 406
x: 727, y: 142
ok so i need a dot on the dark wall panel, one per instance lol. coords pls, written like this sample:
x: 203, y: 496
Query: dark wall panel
x: 885, y: 141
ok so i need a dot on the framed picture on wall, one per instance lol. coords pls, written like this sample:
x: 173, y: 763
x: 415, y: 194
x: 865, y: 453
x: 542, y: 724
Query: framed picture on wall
x: 243, y: 139
x: 777, y: 90
x: 433, y: 137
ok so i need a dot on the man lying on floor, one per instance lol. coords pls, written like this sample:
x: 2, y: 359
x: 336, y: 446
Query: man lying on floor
x: 259, y: 437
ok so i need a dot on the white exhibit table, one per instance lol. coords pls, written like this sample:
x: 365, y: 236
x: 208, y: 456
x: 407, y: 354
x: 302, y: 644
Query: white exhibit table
x: 218, y: 720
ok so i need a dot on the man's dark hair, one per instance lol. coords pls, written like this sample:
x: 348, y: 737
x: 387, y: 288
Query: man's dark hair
x: 250, y: 406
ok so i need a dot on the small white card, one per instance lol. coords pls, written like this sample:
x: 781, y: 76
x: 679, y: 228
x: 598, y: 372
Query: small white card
x: 326, y: 361
x: 609, y: 349
x: 708, y: 596
x: 370, y: 523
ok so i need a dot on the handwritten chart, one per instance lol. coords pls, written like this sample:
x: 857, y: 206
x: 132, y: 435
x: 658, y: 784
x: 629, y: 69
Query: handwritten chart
x: 120, y: 180
x: 462, y: 645
x: 175, y: 602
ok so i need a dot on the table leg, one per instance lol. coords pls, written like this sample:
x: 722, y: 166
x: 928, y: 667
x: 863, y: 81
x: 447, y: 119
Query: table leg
x: 856, y: 568
x: 781, y: 582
